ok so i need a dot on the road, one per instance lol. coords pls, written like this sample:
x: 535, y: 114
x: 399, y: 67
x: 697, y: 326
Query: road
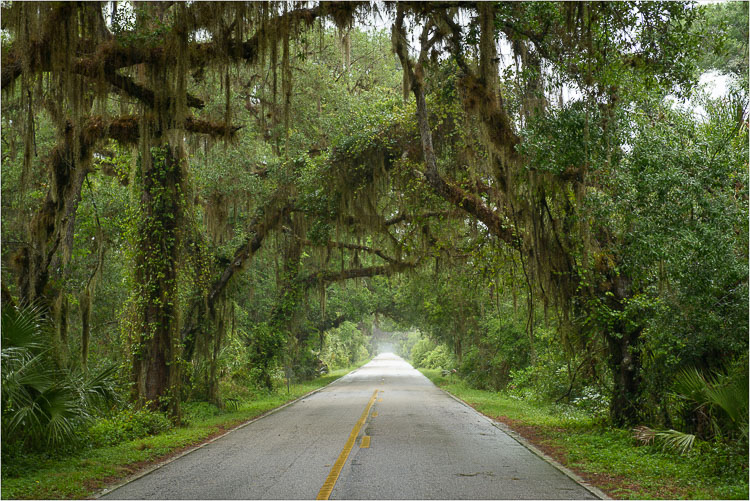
x: 405, y: 438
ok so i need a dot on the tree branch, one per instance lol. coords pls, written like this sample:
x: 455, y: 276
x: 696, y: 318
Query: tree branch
x: 446, y: 189
x: 261, y: 226
x: 363, y: 248
x: 111, y: 56
x: 370, y: 271
x: 142, y: 93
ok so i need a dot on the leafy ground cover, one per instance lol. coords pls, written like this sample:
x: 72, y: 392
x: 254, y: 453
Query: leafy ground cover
x: 610, y: 458
x: 75, y: 476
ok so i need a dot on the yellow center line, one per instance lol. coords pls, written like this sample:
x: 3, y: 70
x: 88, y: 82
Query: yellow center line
x: 365, y: 444
x: 333, y: 476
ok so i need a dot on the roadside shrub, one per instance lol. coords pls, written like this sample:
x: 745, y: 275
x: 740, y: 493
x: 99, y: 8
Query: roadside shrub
x: 344, y: 346
x: 406, y: 343
x: 127, y: 425
x: 426, y: 354
x: 538, y: 382
x: 592, y: 402
x: 482, y: 371
x: 420, y: 350
x: 439, y: 358
x: 199, y: 411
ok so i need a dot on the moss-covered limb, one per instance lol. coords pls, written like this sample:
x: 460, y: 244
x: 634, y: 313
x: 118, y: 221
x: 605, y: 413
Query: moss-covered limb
x: 36, y: 51
x: 480, y: 93
x: 370, y: 271
x: 125, y: 129
x: 205, y: 308
x: 411, y: 217
x: 143, y: 93
x: 404, y: 217
x: 458, y: 197
x: 111, y: 56
x: 69, y: 218
x: 68, y: 164
x: 261, y: 226
x: 88, y: 69
x: 356, y: 247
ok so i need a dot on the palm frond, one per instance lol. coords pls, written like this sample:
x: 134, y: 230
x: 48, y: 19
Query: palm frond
x: 732, y: 399
x: 676, y: 440
x: 690, y: 384
x: 22, y: 326
x: 99, y: 388
x: 644, y: 434
x: 41, y: 404
x: 715, y: 397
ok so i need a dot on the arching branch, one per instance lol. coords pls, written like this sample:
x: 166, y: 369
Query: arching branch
x: 363, y: 248
x: 330, y: 276
x: 444, y: 188
x: 260, y: 227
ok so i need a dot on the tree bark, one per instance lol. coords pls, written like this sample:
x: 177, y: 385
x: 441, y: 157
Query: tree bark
x: 624, y: 344
x: 156, y: 356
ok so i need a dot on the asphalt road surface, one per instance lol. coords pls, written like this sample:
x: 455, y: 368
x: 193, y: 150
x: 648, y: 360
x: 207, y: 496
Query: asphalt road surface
x: 405, y: 439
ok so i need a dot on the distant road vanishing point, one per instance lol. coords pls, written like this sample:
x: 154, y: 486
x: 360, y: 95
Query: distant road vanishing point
x: 382, y: 432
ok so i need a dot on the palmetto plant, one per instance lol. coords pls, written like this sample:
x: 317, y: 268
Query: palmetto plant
x: 669, y: 439
x: 722, y: 398
x: 41, y: 404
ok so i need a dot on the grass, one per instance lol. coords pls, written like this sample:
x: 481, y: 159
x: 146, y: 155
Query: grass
x: 82, y: 474
x: 610, y: 458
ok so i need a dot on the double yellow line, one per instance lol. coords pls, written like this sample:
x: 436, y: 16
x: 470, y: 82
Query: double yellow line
x: 333, y: 476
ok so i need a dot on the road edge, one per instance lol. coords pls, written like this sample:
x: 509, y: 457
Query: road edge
x: 150, y: 469
x: 533, y: 449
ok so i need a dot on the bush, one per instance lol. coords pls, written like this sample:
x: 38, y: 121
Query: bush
x: 428, y: 355
x: 439, y: 358
x: 539, y: 382
x: 593, y: 402
x: 482, y: 371
x: 344, y: 346
x: 127, y: 425
x: 420, y: 350
x: 199, y: 411
x: 406, y: 342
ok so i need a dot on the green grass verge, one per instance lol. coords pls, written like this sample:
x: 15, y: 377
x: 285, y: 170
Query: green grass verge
x: 610, y: 458
x: 81, y: 475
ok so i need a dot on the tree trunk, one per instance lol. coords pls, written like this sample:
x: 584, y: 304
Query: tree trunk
x: 218, y: 328
x: 624, y: 344
x: 84, y: 301
x: 60, y: 329
x: 156, y: 355
x: 625, y: 363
